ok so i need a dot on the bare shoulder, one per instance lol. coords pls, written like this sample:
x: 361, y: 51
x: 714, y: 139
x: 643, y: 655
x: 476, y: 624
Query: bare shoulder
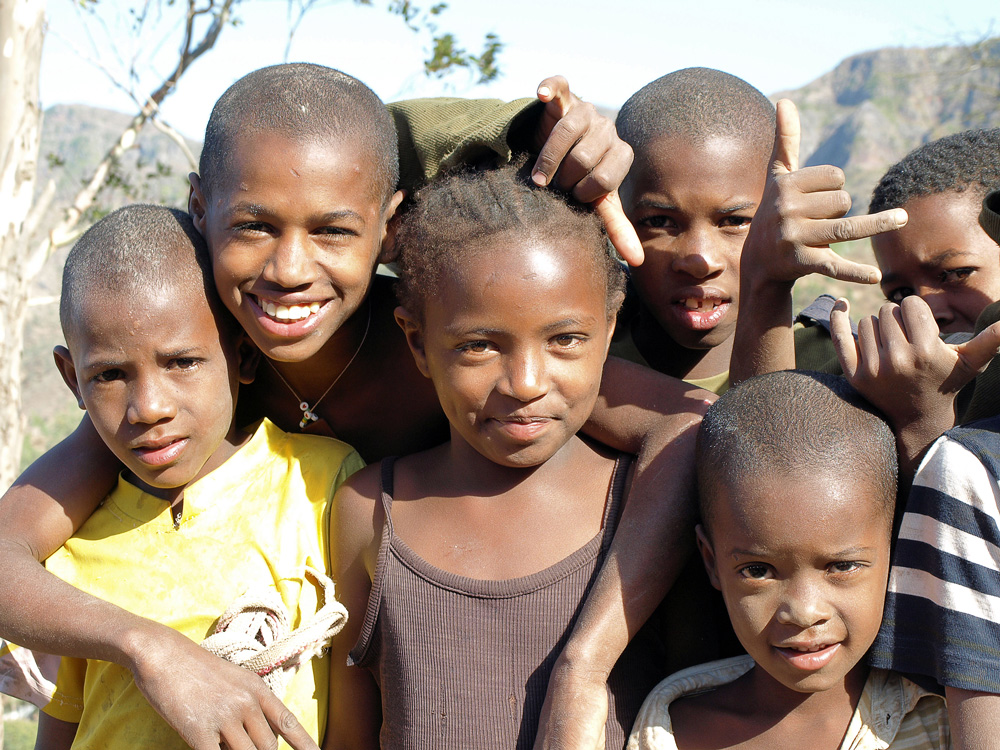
x: 356, y: 517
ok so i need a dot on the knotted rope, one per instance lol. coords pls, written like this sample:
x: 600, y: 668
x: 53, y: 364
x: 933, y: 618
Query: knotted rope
x: 254, y: 633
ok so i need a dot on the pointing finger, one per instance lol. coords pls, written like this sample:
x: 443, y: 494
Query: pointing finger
x: 559, y: 139
x: 619, y: 228
x: 827, y: 231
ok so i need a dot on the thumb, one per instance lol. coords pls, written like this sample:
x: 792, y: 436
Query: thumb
x: 843, y: 337
x: 977, y: 353
x: 619, y: 228
x: 554, y: 92
x: 787, y: 134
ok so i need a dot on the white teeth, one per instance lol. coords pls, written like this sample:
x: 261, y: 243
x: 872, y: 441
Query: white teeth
x: 293, y: 312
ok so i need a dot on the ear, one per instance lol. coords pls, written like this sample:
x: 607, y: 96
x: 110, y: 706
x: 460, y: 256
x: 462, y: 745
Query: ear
x: 64, y: 363
x: 414, y: 337
x: 707, y: 555
x: 197, y: 205
x: 248, y: 357
x: 391, y: 216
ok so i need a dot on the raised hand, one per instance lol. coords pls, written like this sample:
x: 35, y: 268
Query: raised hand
x: 802, y: 213
x: 901, y: 365
x: 580, y: 152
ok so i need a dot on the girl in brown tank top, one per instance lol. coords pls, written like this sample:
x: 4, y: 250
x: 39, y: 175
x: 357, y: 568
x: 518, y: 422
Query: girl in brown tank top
x: 465, y: 566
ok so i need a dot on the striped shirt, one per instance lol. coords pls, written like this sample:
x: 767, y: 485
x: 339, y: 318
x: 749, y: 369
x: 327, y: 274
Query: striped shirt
x: 942, y: 615
x: 892, y: 712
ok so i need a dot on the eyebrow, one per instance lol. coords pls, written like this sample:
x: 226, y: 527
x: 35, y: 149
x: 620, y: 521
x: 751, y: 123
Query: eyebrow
x: 647, y: 203
x: 257, y: 210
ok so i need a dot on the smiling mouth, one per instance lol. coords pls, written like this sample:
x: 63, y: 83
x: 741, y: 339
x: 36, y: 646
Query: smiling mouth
x: 287, y: 312
x: 701, y: 305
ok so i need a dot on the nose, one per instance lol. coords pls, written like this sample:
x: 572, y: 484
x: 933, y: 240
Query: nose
x: 291, y: 265
x: 937, y: 301
x: 803, y: 605
x: 150, y: 401
x: 526, y: 377
x: 697, y: 256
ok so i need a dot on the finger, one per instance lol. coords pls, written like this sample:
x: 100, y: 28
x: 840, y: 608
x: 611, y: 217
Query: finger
x: 283, y: 722
x: 236, y: 738
x: 559, y: 102
x: 868, y: 346
x: 843, y: 337
x: 597, y: 137
x: 607, y: 175
x: 787, y: 133
x: 824, y: 261
x: 828, y: 231
x: 918, y: 323
x: 619, y: 228
x: 890, y: 328
x: 821, y: 178
x: 260, y: 733
x: 978, y: 352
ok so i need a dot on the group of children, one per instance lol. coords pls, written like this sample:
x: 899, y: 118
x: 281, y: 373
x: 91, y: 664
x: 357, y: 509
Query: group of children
x: 529, y: 501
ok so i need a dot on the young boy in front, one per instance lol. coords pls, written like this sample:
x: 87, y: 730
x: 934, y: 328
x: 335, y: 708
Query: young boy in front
x: 797, y: 482
x: 203, y: 512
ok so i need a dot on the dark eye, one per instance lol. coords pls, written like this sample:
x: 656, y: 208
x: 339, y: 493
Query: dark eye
x: 185, y: 363
x: 755, y: 571
x: 844, y: 566
x: 658, y: 222
x: 899, y: 294
x: 336, y: 231
x: 107, y: 376
x: 475, y: 347
x: 956, y: 275
x: 568, y: 340
x: 739, y: 222
x: 251, y: 227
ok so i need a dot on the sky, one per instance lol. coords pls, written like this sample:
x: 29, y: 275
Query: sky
x: 607, y: 50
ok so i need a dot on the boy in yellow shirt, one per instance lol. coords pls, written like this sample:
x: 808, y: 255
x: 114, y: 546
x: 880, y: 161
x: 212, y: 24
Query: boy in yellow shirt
x: 204, y: 512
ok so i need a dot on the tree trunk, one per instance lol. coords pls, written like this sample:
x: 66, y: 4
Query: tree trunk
x: 21, y: 33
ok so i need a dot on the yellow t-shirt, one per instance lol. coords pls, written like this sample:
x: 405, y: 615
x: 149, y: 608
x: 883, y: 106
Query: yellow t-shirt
x: 261, y: 517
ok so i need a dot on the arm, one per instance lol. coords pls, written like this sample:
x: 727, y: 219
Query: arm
x: 355, y: 716
x: 656, y: 417
x: 974, y: 719
x: 790, y: 235
x: 54, y: 734
x: 203, y: 697
x: 900, y: 364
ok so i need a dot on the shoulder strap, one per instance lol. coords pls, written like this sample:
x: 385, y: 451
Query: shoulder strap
x: 616, y: 498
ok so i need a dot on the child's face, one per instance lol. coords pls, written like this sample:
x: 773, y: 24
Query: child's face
x: 691, y: 205
x: 158, y: 380
x: 515, y: 341
x: 944, y: 256
x: 295, y: 231
x: 802, y: 562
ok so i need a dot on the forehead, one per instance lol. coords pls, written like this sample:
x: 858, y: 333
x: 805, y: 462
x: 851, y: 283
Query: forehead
x: 516, y: 277
x: 803, y: 510
x: 271, y: 164
x: 721, y: 168
x: 162, y: 315
x: 939, y: 226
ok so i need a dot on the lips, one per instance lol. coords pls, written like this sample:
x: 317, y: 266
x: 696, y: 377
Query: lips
x: 808, y: 657
x: 160, y: 452
x: 287, y: 320
x: 523, y: 429
x: 701, y: 308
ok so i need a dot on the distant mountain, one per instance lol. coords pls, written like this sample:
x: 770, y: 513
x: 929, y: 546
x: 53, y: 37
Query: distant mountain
x: 873, y: 108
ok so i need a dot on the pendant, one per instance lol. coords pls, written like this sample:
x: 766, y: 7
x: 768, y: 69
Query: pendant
x: 307, y: 415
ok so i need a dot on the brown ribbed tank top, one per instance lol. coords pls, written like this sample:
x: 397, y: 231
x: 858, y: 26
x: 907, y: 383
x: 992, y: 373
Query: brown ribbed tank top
x: 464, y: 663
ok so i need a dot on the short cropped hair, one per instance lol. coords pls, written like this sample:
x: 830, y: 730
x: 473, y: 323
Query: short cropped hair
x: 137, y: 250
x: 305, y: 103
x: 698, y: 104
x: 794, y: 421
x: 458, y: 212
x: 967, y: 161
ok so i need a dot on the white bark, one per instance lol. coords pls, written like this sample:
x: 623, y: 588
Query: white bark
x: 21, y: 34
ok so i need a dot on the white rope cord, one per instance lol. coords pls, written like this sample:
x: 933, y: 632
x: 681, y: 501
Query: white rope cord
x: 254, y: 633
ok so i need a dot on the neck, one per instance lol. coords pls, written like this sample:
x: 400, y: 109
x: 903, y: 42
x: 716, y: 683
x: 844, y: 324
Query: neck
x: 833, y: 706
x: 667, y: 356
